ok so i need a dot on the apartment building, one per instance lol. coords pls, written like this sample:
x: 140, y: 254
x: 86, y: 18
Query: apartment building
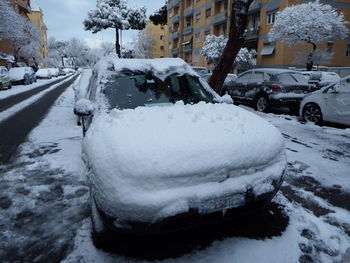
x: 189, y: 21
x: 23, y: 8
x: 158, y: 35
x: 37, y: 18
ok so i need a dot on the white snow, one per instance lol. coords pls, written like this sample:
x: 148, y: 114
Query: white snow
x: 20, y: 106
x: 179, y: 152
x: 16, y: 89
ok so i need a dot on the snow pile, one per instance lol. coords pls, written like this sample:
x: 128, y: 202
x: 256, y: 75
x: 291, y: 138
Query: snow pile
x: 156, y: 160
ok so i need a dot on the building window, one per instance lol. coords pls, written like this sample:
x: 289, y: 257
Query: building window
x: 271, y: 17
x: 161, y: 47
x: 208, y: 13
x: 207, y: 32
x: 196, y: 56
x: 198, y: 17
x: 329, y: 46
x: 348, y: 51
x: 197, y: 37
x: 161, y: 37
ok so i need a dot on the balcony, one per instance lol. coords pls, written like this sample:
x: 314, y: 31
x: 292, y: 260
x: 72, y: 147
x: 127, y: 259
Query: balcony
x: 254, y: 7
x: 252, y: 33
x: 175, y: 51
x: 188, y: 11
x: 175, y: 35
x: 175, y: 19
x: 188, y: 30
x: 187, y: 48
x: 220, y: 18
x: 175, y: 3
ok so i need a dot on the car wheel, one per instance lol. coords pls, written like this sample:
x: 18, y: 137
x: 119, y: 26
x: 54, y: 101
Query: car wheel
x: 262, y: 104
x: 99, y: 233
x: 312, y: 113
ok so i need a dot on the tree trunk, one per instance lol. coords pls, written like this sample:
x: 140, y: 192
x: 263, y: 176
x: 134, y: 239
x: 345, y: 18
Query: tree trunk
x: 310, y: 57
x: 239, y: 19
x: 117, y: 45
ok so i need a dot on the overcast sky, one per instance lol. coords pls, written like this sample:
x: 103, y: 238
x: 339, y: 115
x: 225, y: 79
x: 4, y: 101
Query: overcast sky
x: 64, y: 18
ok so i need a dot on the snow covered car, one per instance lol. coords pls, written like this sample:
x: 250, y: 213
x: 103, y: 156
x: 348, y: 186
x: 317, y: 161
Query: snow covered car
x: 331, y: 103
x: 202, y: 71
x: 43, y: 73
x: 164, y: 155
x: 5, y: 81
x: 53, y: 72
x: 22, y: 75
x: 229, y: 79
x: 321, y: 79
x: 266, y: 88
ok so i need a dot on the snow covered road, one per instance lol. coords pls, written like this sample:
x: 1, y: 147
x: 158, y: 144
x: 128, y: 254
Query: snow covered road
x: 44, y: 211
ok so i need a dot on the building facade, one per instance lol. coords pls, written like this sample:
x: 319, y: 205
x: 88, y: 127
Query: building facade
x: 189, y: 21
x: 156, y: 35
x: 23, y: 8
x: 37, y: 18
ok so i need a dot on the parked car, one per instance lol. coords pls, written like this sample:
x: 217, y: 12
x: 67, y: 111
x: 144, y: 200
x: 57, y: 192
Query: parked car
x: 266, y: 88
x: 5, y: 81
x: 228, y: 81
x: 202, y: 71
x: 54, y: 72
x: 22, y: 75
x: 62, y: 72
x: 331, y: 104
x: 165, y: 155
x: 43, y: 73
x: 321, y: 79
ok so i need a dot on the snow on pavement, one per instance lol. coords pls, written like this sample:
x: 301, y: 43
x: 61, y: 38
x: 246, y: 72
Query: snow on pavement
x: 45, y: 213
x: 16, y: 89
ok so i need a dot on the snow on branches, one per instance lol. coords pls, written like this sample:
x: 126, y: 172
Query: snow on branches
x: 308, y: 23
x: 214, y: 46
x: 115, y: 14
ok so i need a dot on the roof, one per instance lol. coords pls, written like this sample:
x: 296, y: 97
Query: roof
x: 160, y: 67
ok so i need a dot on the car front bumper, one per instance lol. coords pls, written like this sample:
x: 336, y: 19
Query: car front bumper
x: 195, y: 217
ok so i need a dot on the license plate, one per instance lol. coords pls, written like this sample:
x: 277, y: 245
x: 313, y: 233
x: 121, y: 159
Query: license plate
x: 218, y: 204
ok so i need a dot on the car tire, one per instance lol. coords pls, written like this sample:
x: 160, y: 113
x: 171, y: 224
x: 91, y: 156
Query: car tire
x: 262, y: 104
x: 99, y: 234
x: 312, y: 113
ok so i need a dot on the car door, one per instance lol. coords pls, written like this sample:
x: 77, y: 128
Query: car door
x: 238, y: 90
x: 337, y: 102
x: 254, y: 85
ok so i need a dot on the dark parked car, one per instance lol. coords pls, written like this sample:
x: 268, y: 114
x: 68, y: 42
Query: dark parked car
x: 266, y: 88
x: 152, y: 132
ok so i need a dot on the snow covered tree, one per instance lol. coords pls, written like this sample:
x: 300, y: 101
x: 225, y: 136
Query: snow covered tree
x: 23, y: 34
x: 107, y: 48
x: 214, y: 46
x: 309, y: 23
x: 236, y: 39
x: 115, y: 14
x: 144, y: 44
x: 320, y: 57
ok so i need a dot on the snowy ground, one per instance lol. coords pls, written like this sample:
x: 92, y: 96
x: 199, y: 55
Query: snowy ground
x: 45, y: 214
x: 16, y: 89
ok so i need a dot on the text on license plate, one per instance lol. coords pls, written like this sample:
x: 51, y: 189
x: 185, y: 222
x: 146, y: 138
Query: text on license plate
x: 218, y: 203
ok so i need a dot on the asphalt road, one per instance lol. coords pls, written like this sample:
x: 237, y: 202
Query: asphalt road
x: 14, y: 130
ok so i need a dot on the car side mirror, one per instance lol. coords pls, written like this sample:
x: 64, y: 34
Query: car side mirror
x: 84, y: 107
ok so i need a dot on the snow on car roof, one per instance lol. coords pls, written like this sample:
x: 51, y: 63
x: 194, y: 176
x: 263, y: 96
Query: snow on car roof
x: 275, y: 70
x: 160, y: 67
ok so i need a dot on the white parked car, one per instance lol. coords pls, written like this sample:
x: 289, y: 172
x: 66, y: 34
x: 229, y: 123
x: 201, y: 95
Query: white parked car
x: 22, y: 75
x: 162, y: 150
x: 54, y: 72
x: 321, y: 78
x: 43, y: 73
x: 331, y: 104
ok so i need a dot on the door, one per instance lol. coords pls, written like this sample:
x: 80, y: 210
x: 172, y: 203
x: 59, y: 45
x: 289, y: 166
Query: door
x: 238, y: 90
x: 337, y: 102
x: 254, y: 85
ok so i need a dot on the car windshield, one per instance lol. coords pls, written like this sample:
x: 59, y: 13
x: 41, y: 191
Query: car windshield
x: 292, y: 78
x: 128, y: 91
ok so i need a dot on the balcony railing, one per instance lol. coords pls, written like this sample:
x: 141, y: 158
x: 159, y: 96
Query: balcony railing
x: 187, y: 48
x: 255, y: 6
x: 175, y: 19
x: 188, y: 30
x: 175, y: 51
x: 220, y: 17
x: 175, y: 35
x: 252, y: 33
x: 176, y: 3
x: 188, y: 11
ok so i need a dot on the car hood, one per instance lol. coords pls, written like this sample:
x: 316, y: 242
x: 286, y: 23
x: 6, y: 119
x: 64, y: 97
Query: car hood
x: 153, y: 149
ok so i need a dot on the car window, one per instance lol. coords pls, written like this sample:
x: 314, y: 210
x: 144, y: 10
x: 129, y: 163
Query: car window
x: 243, y: 79
x: 131, y: 91
x: 257, y: 77
x: 292, y: 78
x: 299, y: 78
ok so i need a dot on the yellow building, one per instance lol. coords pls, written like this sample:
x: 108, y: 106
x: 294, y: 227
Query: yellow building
x: 37, y: 18
x: 189, y: 21
x: 158, y: 34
